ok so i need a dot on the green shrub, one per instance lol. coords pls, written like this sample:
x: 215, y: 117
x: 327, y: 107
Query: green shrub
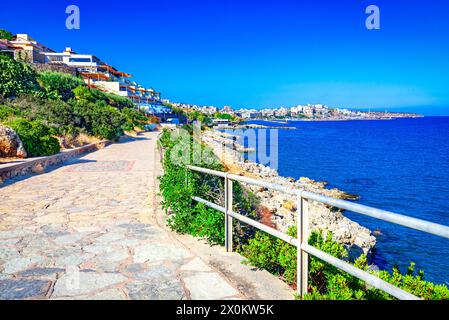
x: 99, y: 119
x: 75, y: 116
x: 208, y: 224
x: 225, y: 116
x: 16, y: 78
x: 86, y: 94
x: 36, y: 137
x: 190, y: 217
x: 269, y: 253
x: 56, y: 85
x: 262, y: 252
x: 327, y: 282
x: 134, y: 118
x: 7, y: 112
x: 56, y: 114
x: 128, y: 126
x: 5, y: 34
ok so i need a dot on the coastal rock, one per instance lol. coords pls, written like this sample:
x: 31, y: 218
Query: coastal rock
x: 283, y: 208
x: 10, y: 144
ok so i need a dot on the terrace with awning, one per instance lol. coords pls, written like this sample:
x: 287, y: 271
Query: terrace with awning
x: 114, y: 71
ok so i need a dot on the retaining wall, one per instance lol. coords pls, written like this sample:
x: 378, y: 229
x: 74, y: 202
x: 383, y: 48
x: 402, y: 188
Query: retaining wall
x: 38, y: 165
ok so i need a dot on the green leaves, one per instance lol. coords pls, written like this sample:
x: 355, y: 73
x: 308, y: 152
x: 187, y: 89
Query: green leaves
x: 263, y: 251
x: 56, y: 85
x: 36, y: 137
x: 61, y: 103
x: 327, y: 282
x: 276, y: 256
x: 99, y: 119
x: 188, y: 217
x: 16, y: 78
x: 5, y: 34
x: 83, y: 93
x: 7, y: 112
x: 134, y: 118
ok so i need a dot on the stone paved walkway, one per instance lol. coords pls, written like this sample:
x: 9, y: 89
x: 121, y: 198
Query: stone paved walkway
x: 87, y: 230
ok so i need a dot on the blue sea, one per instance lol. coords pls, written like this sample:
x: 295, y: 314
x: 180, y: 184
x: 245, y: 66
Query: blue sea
x: 400, y: 165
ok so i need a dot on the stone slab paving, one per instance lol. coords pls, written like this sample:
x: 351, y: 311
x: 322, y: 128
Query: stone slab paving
x: 86, y: 231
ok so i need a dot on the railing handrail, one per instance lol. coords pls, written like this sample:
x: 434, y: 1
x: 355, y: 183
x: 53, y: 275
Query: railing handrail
x: 388, y: 216
x: 301, y: 242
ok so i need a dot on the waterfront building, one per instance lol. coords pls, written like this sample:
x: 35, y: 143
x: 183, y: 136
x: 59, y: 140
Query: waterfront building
x: 210, y: 110
x: 267, y: 113
x: 320, y: 110
x: 296, y: 110
x: 308, y: 111
x: 281, y: 112
x: 228, y: 109
x: 25, y: 48
x: 98, y: 74
x: 221, y: 122
x: 6, y: 48
x: 248, y: 113
x: 95, y: 72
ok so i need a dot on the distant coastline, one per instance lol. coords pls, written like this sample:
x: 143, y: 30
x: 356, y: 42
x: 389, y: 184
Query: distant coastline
x: 284, y: 124
x: 286, y: 121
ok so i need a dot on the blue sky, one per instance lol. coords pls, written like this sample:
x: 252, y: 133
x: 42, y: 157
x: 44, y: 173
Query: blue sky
x: 261, y: 53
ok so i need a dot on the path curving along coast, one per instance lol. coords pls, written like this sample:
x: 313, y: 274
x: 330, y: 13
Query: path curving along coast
x: 87, y: 230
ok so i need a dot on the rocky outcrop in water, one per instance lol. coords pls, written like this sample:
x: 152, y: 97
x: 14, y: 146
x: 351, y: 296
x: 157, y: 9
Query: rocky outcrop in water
x: 281, y: 208
x: 10, y: 144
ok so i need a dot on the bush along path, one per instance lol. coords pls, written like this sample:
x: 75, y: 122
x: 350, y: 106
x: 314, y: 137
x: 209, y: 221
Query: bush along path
x: 42, y: 107
x: 262, y: 250
x: 76, y: 233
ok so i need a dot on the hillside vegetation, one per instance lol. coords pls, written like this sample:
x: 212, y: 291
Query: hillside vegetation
x: 45, y: 108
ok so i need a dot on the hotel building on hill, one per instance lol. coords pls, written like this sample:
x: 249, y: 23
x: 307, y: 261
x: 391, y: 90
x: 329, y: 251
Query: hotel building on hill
x: 95, y: 72
x: 25, y: 48
x: 6, y: 48
x: 100, y: 75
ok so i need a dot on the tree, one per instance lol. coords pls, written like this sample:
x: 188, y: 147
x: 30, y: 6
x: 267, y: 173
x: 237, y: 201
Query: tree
x: 59, y: 85
x: 5, y: 34
x: 16, y: 78
x: 84, y: 93
x: 225, y: 116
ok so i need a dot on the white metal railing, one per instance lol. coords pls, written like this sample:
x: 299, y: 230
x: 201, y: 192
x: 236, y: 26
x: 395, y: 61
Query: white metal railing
x: 301, y: 242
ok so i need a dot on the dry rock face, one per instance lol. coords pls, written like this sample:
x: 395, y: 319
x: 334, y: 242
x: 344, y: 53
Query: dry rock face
x: 10, y: 144
x: 283, y: 208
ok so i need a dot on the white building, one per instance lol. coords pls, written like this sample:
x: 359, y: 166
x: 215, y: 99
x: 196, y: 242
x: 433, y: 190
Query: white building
x: 83, y: 62
x: 221, y: 122
x: 281, y: 112
x: 268, y: 112
x: 227, y: 109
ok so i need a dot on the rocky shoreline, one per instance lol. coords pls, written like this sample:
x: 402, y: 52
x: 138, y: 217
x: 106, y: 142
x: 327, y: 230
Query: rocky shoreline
x: 279, y: 210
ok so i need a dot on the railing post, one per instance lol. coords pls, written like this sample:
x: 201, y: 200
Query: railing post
x: 228, y: 219
x: 303, y: 237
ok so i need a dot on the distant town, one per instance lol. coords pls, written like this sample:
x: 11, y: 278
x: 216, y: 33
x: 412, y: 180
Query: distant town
x: 299, y: 112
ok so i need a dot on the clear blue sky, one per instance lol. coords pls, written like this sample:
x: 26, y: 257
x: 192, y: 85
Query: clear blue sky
x: 261, y: 53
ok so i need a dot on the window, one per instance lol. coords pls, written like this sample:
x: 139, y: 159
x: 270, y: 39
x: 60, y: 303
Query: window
x: 55, y: 58
x: 80, y: 60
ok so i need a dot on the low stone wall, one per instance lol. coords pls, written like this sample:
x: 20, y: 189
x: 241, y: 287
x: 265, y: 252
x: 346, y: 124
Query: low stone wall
x: 39, y: 165
x: 55, y: 68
